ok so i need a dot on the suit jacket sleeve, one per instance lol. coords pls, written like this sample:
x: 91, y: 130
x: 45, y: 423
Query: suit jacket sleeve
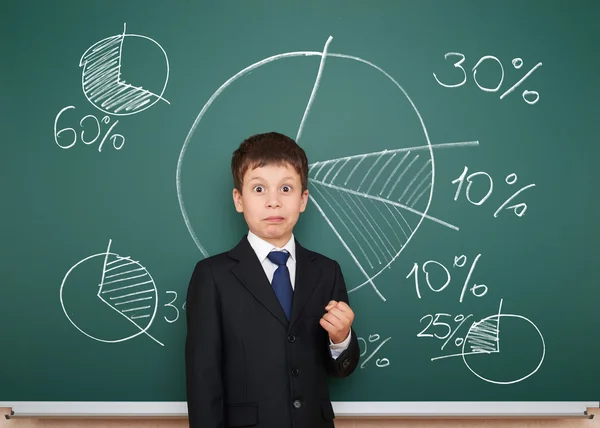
x: 346, y: 362
x: 203, y: 351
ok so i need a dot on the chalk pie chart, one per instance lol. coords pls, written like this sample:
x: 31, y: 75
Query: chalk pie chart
x: 503, y: 349
x: 371, y: 170
x: 109, y: 298
x: 107, y: 63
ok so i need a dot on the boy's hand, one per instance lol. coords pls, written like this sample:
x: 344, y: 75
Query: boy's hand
x: 337, y: 320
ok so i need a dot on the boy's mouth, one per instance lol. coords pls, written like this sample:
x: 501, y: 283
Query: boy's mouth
x: 274, y: 219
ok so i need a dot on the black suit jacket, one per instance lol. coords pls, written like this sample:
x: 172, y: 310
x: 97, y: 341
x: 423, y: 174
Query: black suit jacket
x: 246, y: 364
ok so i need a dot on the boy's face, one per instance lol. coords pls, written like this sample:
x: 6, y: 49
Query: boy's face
x: 271, y: 200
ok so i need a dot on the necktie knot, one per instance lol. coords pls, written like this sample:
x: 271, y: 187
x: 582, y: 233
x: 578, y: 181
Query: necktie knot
x: 278, y: 257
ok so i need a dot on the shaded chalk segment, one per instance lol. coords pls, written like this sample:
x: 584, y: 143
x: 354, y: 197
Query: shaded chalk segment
x: 484, y: 336
x: 364, y: 198
x: 375, y: 202
x: 102, y: 83
x: 127, y: 287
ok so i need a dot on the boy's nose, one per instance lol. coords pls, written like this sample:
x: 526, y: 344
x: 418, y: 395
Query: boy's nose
x: 273, y: 203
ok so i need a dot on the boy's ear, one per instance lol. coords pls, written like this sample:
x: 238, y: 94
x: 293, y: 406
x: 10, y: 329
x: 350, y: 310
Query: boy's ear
x: 237, y: 200
x: 304, y: 201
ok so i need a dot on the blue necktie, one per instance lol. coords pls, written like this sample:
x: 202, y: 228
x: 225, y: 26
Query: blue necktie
x: 282, y: 284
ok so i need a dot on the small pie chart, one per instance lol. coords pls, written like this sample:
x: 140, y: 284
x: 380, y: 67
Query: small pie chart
x: 102, y: 76
x: 506, y: 358
x: 109, y: 298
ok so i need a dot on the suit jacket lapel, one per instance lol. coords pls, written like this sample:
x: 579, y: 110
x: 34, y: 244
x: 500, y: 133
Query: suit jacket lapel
x: 251, y: 273
x: 307, y: 277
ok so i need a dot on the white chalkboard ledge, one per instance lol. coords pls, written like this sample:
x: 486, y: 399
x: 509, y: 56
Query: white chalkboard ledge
x: 362, y: 409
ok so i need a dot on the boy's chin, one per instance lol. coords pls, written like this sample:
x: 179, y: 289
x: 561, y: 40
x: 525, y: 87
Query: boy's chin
x: 274, y: 234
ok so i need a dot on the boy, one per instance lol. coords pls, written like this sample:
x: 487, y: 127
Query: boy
x: 268, y: 320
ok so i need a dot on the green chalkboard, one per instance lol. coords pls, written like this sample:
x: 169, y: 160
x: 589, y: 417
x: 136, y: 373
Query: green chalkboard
x: 453, y: 149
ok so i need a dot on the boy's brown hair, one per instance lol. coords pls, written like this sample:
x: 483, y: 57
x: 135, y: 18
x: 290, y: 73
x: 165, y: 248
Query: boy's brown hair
x: 271, y: 148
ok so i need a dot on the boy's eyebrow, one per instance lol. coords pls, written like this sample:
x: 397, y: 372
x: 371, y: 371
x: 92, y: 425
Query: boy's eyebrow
x: 262, y: 179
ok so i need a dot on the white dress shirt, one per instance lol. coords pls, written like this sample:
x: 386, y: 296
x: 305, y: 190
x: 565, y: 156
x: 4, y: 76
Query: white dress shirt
x: 262, y: 248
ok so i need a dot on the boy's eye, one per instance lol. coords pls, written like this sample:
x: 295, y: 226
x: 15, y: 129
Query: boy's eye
x: 286, y: 188
x: 258, y: 189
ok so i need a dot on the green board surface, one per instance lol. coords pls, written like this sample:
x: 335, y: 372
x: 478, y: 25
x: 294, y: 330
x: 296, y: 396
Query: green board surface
x: 118, y: 122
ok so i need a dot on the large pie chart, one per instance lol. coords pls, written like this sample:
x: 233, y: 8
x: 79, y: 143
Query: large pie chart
x: 373, y: 195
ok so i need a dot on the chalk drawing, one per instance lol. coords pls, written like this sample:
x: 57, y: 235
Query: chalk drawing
x: 125, y: 286
x: 103, y: 85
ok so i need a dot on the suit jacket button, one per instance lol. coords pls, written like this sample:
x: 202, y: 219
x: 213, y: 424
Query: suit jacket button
x: 297, y: 404
x: 291, y: 338
x: 295, y: 372
x: 345, y: 363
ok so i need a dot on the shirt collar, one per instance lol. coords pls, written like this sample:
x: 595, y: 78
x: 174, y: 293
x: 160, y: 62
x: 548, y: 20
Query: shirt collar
x: 262, y: 248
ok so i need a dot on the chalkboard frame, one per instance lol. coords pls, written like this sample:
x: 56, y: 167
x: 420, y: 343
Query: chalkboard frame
x: 342, y: 409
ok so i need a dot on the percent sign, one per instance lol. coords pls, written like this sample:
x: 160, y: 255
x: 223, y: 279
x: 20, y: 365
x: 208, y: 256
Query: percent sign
x: 478, y: 290
x: 94, y: 119
x: 517, y: 64
x: 460, y: 319
x: 519, y: 209
x: 380, y: 362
